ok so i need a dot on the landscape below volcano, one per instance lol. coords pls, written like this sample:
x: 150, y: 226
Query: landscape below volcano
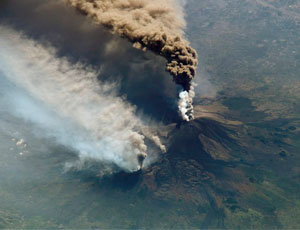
x: 236, y: 165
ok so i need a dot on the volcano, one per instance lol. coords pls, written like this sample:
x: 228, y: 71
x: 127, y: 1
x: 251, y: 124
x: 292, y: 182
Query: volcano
x: 84, y: 98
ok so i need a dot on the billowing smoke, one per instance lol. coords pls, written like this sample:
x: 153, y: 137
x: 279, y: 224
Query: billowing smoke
x: 70, y: 105
x: 155, y: 25
x: 140, y: 75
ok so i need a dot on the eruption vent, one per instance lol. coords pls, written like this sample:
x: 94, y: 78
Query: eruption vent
x: 155, y: 25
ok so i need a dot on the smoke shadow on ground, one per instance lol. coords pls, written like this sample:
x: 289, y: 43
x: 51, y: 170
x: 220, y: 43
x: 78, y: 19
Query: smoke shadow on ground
x: 122, y: 180
x: 138, y: 75
x: 185, y: 147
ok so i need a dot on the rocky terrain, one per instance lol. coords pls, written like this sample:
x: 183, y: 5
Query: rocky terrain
x: 235, y: 166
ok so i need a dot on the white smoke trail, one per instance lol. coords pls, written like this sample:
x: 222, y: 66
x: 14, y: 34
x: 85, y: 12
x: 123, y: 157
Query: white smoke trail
x: 156, y: 140
x: 71, y: 105
x: 185, y: 104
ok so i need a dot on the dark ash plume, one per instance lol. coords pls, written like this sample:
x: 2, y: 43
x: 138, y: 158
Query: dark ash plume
x: 138, y: 75
x: 155, y: 25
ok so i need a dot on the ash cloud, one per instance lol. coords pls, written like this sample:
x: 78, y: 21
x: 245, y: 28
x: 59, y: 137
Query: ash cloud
x: 141, y: 76
x: 155, y: 25
x: 134, y: 80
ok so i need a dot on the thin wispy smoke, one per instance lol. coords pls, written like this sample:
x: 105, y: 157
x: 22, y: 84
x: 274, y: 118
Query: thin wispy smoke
x: 71, y: 105
x: 155, y: 25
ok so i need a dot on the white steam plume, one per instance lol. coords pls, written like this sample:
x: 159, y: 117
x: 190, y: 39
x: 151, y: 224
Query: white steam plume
x: 70, y: 104
x: 185, y: 104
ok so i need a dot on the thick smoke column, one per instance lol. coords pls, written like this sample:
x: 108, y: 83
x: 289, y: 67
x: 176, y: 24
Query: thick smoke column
x: 155, y: 25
